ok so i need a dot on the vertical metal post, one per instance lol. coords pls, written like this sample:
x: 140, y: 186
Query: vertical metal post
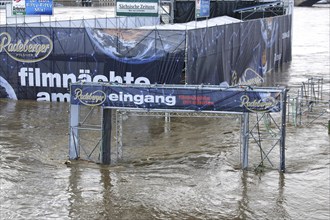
x: 167, y: 126
x: 321, y: 90
x: 296, y: 111
x: 119, y: 134
x: 172, y: 11
x: 289, y: 108
x: 167, y: 117
x: 283, y: 131
x: 302, y: 93
x: 106, y: 137
x: 74, y: 146
x: 245, y: 140
x: 299, y: 105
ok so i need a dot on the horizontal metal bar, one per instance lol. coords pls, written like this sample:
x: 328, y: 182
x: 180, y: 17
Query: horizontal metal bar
x: 175, y: 111
x: 88, y: 128
x: 179, y: 86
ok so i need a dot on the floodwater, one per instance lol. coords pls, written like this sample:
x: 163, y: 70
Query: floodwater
x: 190, y: 171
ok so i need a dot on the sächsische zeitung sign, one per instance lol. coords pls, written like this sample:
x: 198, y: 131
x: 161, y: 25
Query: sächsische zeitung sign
x: 137, y: 8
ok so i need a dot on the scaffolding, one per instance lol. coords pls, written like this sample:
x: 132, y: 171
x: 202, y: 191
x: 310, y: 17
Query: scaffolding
x: 261, y: 133
x: 309, y: 103
x: 167, y: 11
x: 274, y: 8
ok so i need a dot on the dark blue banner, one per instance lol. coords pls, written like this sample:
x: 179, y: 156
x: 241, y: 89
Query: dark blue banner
x: 177, y: 97
x: 40, y: 62
x: 239, y: 53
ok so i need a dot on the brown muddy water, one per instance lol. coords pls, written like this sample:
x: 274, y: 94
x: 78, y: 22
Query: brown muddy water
x: 188, y: 172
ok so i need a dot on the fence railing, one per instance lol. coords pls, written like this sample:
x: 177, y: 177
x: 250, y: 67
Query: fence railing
x: 309, y: 103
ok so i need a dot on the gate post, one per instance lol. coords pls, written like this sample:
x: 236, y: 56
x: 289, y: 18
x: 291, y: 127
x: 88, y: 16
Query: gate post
x: 119, y: 134
x: 283, y: 131
x: 74, y: 145
x: 245, y: 140
x: 106, y: 136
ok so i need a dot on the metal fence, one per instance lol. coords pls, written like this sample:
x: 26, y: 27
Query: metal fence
x: 309, y: 103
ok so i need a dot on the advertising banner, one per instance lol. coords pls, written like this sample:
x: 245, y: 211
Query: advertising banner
x: 40, y: 63
x: 19, y: 7
x: 137, y: 8
x: 238, y: 54
x: 39, y: 7
x: 215, y: 99
x: 32, y: 7
x: 202, y: 8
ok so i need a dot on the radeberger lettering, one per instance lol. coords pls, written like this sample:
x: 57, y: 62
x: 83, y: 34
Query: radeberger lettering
x: 26, y: 51
x: 257, y: 105
x: 253, y: 79
x: 92, y: 99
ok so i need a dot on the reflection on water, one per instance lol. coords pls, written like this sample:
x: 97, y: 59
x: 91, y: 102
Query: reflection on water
x: 188, y: 172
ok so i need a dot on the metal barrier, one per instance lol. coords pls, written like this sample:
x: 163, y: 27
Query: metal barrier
x: 309, y: 103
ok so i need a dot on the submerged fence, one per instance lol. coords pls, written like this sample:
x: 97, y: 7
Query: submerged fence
x: 309, y: 103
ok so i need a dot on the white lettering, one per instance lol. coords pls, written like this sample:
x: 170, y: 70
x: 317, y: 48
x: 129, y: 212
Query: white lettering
x: 53, y: 97
x: 59, y: 97
x: 113, y: 97
x: 85, y: 77
x: 139, y: 99
x: 100, y: 78
x: 34, y: 77
x: 128, y: 78
x: 114, y: 78
x: 31, y: 77
x: 52, y: 79
x: 23, y: 74
x: 37, y: 73
x: 67, y: 79
x: 142, y: 80
x: 43, y: 96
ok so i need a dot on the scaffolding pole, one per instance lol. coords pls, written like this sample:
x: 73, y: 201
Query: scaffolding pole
x: 245, y: 140
x: 283, y: 131
x: 74, y: 149
x: 106, y: 137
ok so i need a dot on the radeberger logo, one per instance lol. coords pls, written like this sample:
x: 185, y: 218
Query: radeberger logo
x: 258, y: 105
x: 249, y: 77
x: 31, y: 50
x: 91, y: 99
